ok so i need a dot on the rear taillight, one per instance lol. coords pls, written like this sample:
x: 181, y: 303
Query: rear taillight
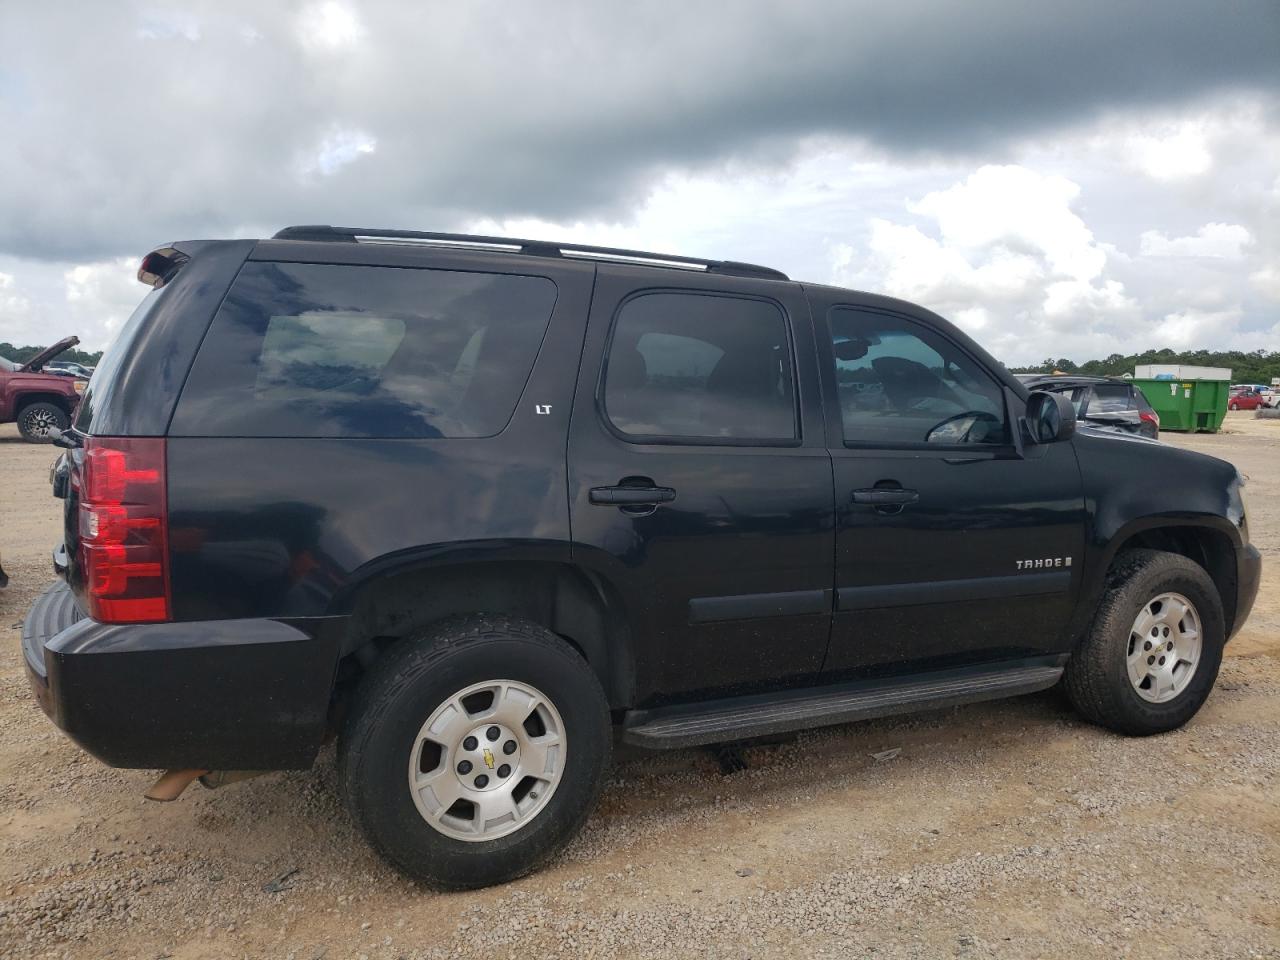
x: 124, y: 552
x: 1151, y: 417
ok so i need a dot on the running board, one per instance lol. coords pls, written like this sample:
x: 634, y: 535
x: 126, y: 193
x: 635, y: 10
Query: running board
x: 742, y: 718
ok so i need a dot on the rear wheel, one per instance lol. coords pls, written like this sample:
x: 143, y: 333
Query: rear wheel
x: 35, y: 420
x: 1152, y: 656
x: 475, y: 751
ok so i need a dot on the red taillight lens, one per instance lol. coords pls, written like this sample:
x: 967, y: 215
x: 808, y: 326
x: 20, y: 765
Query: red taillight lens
x: 1150, y: 416
x: 124, y: 551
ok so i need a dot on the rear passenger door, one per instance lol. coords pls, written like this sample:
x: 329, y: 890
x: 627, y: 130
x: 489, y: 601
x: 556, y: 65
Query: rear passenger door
x: 699, y: 483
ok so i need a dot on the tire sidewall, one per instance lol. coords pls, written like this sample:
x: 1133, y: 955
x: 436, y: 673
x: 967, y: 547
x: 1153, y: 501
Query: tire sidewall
x: 378, y: 780
x: 1140, y: 590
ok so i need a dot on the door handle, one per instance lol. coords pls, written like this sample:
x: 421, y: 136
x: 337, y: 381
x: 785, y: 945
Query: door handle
x: 885, y: 496
x: 631, y: 496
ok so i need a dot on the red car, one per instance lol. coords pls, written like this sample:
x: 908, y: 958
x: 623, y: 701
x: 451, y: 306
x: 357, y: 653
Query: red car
x: 36, y: 400
x: 1245, y: 400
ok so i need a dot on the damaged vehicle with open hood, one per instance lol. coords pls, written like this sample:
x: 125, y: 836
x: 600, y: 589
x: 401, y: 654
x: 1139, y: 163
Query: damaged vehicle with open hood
x: 39, y: 401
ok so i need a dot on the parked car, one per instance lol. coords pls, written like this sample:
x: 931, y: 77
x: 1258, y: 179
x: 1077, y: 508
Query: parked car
x: 477, y: 506
x: 69, y: 369
x: 38, y: 401
x: 1105, y: 401
x: 1247, y: 399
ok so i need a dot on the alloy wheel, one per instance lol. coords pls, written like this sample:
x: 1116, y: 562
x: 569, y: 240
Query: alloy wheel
x: 38, y: 423
x: 487, y: 760
x: 1164, y: 647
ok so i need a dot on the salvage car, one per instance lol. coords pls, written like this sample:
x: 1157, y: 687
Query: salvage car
x: 479, y: 507
x: 1110, y: 402
x: 37, y: 401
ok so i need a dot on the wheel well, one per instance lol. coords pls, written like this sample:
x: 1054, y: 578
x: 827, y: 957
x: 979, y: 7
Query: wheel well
x: 571, y: 602
x: 25, y: 400
x: 1211, y: 549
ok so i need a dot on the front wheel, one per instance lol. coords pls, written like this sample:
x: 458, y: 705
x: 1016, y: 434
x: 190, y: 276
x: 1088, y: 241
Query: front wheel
x: 1152, y: 655
x: 37, y: 419
x: 475, y: 751
x: 1233, y: 406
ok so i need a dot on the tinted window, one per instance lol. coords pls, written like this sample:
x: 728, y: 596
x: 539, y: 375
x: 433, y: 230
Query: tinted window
x: 899, y: 383
x: 310, y: 350
x: 1110, y: 398
x: 692, y: 365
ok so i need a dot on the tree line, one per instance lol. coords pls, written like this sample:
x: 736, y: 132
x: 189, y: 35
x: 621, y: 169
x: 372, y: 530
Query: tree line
x: 1256, y: 366
x: 23, y: 354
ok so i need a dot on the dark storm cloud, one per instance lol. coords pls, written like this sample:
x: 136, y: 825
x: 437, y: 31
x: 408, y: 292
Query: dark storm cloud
x: 140, y: 124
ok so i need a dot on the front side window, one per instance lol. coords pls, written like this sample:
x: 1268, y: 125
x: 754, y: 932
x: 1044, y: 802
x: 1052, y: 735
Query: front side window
x: 686, y: 366
x: 901, y: 384
x: 324, y: 350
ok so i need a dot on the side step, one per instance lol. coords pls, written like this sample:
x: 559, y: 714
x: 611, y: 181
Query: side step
x: 741, y: 718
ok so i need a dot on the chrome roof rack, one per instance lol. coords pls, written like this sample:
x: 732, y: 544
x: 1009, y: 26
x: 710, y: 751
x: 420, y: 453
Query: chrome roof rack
x: 533, y: 248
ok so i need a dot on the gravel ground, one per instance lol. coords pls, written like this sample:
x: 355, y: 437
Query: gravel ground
x: 999, y: 830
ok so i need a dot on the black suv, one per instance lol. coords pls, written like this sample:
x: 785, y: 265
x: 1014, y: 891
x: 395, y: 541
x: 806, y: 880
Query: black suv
x: 1105, y: 401
x: 480, y: 506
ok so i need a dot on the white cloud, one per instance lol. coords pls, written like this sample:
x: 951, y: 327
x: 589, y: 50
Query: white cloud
x: 161, y: 24
x: 1010, y: 253
x: 329, y: 26
x: 1018, y: 210
x: 337, y: 150
x: 103, y: 294
x: 1267, y: 281
x: 1215, y: 329
x: 1221, y: 240
x: 15, y: 308
x: 1173, y: 154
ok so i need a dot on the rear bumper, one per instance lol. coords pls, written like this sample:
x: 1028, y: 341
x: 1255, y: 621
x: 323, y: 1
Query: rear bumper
x: 1248, y: 577
x: 217, y: 695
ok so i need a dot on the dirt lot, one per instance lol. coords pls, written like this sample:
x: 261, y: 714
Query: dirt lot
x: 1002, y: 830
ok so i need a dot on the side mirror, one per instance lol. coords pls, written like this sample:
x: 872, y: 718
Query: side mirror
x: 1050, y: 417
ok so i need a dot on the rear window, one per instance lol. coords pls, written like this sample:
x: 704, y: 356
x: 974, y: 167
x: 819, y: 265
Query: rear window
x: 1111, y: 398
x: 315, y: 350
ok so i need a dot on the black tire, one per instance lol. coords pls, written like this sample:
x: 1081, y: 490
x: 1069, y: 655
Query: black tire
x: 1097, y: 680
x: 35, y: 419
x: 402, y: 690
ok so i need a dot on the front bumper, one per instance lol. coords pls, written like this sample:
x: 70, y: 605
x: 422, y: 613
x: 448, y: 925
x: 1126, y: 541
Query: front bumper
x: 215, y: 695
x: 1248, y: 577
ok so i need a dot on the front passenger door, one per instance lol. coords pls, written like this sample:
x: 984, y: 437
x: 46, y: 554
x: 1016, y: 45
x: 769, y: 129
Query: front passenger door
x: 951, y: 549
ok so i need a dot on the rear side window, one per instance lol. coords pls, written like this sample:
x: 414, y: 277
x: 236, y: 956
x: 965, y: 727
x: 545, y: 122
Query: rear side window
x: 686, y: 366
x: 319, y: 350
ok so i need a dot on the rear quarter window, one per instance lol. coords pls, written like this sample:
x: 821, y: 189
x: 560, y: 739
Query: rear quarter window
x: 316, y: 350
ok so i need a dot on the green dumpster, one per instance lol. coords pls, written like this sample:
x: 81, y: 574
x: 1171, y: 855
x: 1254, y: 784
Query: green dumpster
x: 1193, y: 405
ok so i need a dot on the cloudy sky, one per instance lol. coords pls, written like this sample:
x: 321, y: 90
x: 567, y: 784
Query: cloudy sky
x: 1066, y: 179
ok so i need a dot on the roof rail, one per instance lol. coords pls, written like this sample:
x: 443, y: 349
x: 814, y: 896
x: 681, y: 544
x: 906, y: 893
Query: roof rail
x: 534, y: 248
